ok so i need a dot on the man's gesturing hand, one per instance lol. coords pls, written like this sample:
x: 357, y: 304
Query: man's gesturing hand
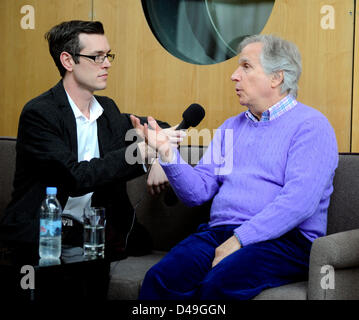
x: 156, y: 138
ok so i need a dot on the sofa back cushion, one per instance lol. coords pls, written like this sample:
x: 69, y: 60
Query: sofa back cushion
x: 7, y: 170
x: 343, y: 212
x: 167, y: 224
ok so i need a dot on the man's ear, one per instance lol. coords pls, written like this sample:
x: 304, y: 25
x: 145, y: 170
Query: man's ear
x: 277, y: 78
x: 67, y: 61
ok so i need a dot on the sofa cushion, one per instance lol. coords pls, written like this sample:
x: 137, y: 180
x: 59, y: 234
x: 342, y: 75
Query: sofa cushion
x: 293, y: 291
x: 126, y: 275
x: 126, y: 278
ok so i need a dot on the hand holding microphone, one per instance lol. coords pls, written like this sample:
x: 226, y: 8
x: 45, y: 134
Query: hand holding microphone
x: 192, y: 116
x: 175, y: 136
x: 157, y: 180
x: 162, y: 140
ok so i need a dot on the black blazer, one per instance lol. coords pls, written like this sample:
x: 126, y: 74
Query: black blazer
x: 47, y: 156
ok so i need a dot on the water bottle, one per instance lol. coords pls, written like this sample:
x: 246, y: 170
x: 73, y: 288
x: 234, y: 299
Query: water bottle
x: 50, y: 226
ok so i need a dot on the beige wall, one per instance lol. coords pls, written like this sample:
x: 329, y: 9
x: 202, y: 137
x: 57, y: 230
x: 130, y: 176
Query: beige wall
x: 26, y: 67
x: 355, y: 117
x: 146, y: 79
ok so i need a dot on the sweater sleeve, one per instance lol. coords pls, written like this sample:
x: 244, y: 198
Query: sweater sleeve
x: 197, y: 185
x: 311, y: 162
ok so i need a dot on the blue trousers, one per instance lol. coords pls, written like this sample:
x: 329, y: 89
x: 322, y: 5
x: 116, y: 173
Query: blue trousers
x: 186, y: 271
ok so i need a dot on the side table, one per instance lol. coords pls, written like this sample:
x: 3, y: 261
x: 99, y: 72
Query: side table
x: 23, y: 276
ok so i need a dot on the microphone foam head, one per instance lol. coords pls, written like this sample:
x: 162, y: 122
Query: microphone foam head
x: 193, y: 115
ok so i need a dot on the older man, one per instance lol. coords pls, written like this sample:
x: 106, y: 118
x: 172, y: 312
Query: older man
x: 268, y: 210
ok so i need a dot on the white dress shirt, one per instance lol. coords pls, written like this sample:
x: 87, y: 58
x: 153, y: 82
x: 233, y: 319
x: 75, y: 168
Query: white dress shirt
x: 87, y: 144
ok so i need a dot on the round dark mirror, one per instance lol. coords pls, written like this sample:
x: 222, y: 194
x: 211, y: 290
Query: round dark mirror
x: 205, y: 31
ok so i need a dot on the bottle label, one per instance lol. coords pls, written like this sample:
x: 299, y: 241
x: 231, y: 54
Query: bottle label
x: 50, y: 228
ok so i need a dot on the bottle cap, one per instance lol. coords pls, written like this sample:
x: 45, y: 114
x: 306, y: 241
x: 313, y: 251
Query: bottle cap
x: 51, y: 190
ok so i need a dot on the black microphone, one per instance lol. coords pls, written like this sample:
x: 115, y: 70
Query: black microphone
x: 192, y: 116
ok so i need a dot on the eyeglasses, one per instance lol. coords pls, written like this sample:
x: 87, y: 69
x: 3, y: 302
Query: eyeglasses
x: 98, y: 59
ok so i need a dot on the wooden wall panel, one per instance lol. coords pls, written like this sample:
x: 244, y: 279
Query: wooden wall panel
x: 146, y: 79
x: 355, y: 119
x: 26, y: 67
x: 326, y: 82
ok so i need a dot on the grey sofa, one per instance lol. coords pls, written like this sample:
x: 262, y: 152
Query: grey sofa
x: 338, y: 251
x: 168, y: 225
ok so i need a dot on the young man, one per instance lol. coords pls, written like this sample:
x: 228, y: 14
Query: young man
x: 268, y: 210
x: 75, y: 141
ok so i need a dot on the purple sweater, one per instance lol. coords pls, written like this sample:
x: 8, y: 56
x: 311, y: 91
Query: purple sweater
x: 265, y: 177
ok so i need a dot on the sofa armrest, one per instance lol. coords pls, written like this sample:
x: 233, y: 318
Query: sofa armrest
x: 337, y: 253
x: 340, y: 250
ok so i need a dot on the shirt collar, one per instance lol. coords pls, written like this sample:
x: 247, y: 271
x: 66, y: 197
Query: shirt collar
x: 95, y: 109
x: 276, y: 110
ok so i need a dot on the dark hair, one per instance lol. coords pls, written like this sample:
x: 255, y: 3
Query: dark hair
x: 65, y: 37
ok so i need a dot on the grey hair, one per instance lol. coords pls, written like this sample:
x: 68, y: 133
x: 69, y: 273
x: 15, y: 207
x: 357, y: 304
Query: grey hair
x: 279, y: 55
